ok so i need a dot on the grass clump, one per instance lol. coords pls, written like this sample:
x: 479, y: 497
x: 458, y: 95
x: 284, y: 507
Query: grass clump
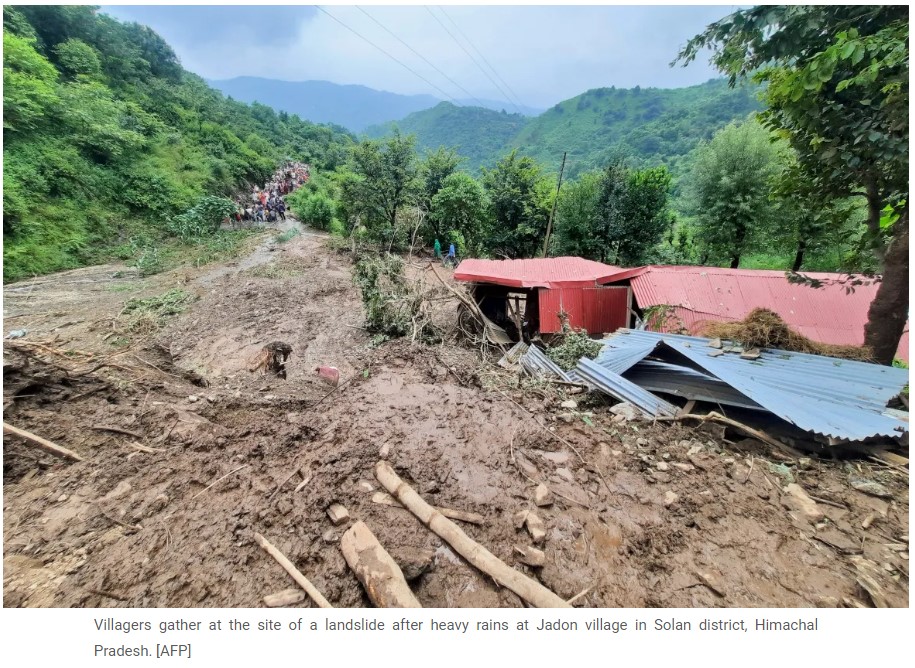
x: 287, y: 235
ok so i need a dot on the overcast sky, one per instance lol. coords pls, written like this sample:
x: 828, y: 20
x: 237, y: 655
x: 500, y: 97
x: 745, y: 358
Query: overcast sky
x: 540, y: 54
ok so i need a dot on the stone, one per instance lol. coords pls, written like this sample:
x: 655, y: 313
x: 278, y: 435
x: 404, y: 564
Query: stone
x: 662, y: 466
x: 543, y: 496
x: 413, y: 563
x: 520, y: 518
x: 365, y: 486
x: 385, y: 450
x: 569, y: 404
x: 211, y: 399
x: 338, y: 514
x: 62, y: 498
x: 670, y: 498
x: 870, y: 487
x: 531, y: 556
x: 329, y: 536
x: 641, y: 442
x: 616, y: 453
x: 799, y: 499
x: 192, y: 398
x: 625, y: 410
x: 535, y: 527
x: 568, y: 418
x: 804, y: 463
x: 683, y: 466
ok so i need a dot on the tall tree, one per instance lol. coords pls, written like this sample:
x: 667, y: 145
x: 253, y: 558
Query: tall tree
x: 519, y: 206
x: 459, y: 212
x: 837, y: 88
x: 386, y: 182
x: 437, y: 166
x: 729, y: 192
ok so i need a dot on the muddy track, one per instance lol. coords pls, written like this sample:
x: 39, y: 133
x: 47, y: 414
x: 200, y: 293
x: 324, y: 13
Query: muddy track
x: 142, y: 526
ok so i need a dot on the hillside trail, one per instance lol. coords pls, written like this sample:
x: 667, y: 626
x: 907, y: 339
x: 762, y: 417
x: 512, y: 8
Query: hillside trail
x: 163, y: 512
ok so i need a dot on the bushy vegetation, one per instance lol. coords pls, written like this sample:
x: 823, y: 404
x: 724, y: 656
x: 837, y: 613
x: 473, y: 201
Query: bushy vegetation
x: 107, y: 138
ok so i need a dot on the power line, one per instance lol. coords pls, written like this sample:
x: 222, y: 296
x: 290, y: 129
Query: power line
x: 470, y: 55
x: 424, y: 59
x: 402, y: 64
x: 479, y: 53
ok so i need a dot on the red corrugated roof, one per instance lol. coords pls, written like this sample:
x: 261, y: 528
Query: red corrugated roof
x: 828, y: 314
x: 552, y: 272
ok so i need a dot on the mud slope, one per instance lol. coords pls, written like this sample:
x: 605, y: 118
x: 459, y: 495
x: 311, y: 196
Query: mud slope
x: 222, y: 451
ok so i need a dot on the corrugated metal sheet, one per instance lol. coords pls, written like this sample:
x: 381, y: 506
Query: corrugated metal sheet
x: 553, y: 272
x: 830, y: 314
x: 597, y: 310
x: 624, y: 390
x: 681, y: 381
x: 536, y: 363
x: 840, y: 399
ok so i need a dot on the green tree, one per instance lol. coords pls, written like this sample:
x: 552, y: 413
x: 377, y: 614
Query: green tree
x: 437, y: 166
x: 28, y: 84
x: 837, y: 89
x: 460, y: 206
x: 519, y: 206
x: 76, y: 58
x: 729, y: 192
x: 385, y: 182
x: 577, y: 216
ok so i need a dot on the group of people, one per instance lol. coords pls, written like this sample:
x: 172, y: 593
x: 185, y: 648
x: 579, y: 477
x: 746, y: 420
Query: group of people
x: 268, y: 205
x: 450, y: 259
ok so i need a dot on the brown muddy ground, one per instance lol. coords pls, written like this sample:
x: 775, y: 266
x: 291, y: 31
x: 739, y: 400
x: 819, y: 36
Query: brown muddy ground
x: 657, y: 509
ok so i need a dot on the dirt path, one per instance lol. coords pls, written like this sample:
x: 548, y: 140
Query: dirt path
x: 133, y: 527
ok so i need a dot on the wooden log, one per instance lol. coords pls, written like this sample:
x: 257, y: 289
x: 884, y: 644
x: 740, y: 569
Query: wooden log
x: 530, y: 590
x: 296, y: 574
x: 284, y: 598
x: 376, y: 569
x: 42, y: 443
x: 385, y: 499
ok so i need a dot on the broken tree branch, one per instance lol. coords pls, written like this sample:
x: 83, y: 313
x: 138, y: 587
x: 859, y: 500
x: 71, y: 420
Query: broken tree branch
x: 296, y: 574
x: 530, y: 590
x: 376, y: 569
x: 42, y: 443
x: 750, y: 431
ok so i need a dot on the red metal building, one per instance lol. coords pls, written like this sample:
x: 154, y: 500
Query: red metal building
x: 546, y: 287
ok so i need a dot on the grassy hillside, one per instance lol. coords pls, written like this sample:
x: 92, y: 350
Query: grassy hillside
x: 650, y: 125
x: 107, y: 139
x: 479, y: 134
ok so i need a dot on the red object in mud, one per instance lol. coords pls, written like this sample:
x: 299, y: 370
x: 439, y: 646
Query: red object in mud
x: 330, y: 374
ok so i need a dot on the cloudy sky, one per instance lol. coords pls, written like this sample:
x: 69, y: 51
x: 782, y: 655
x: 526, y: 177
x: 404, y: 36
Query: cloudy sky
x: 540, y: 54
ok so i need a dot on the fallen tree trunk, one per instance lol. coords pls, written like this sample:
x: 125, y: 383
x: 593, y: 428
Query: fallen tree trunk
x: 296, y: 574
x: 530, y: 590
x: 42, y: 443
x: 376, y: 569
x: 385, y: 499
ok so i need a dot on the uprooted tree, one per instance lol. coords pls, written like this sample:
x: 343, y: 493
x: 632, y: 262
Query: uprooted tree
x: 836, y: 82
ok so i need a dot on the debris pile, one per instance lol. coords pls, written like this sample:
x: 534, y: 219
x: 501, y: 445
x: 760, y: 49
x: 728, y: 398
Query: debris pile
x: 803, y: 400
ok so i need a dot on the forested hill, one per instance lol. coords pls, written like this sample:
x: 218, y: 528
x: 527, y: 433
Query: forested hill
x: 107, y: 138
x: 651, y: 125
x: 478, y: 134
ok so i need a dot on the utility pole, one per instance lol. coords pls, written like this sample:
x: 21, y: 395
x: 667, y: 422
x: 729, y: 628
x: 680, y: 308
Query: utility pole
x: 549, y: 225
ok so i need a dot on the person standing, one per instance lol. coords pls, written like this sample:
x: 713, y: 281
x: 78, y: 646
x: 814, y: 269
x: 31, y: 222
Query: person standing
x: 437, y: 249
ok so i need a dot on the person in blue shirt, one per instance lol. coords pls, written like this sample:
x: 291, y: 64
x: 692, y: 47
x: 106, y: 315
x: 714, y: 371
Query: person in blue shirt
x: 451, y: 252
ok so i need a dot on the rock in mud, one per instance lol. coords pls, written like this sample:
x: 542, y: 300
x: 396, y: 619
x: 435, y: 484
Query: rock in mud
x: 670, y: 498
x: 798, y: 499
x: 338, y: 514
x: 625, y: 410
x: 543, y: 496
x: 569, y: 404
x: 535, y: 527
x: 413, y: 563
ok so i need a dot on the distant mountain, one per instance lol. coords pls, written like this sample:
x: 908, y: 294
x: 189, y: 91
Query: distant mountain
x: 353, y: 107
x: 654, y: 125
x: 478, y: 134
x: 651, y: 125
x: 497, y: 105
